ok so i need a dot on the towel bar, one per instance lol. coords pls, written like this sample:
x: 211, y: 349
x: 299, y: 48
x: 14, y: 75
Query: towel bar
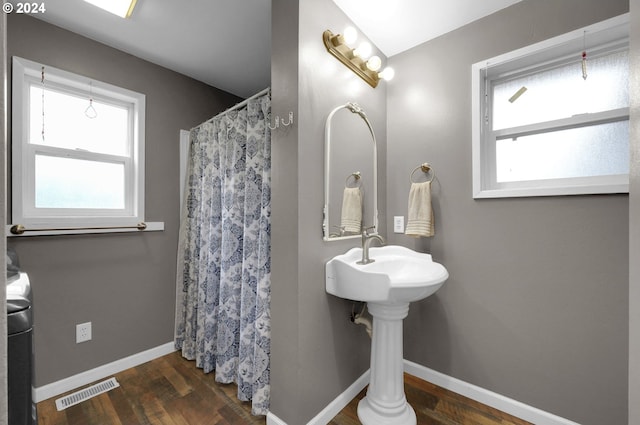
x: 18, y: 229
x: 356, y: 176
x: 426, y: 168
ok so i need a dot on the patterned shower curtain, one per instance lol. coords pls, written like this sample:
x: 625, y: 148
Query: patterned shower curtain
x: 223, y: 278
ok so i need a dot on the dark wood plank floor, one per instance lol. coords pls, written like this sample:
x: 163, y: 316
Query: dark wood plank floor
x: 172, y: 391
x: 166, y: 391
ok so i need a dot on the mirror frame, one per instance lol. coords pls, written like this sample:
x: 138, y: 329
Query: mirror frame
x: 356, y: 109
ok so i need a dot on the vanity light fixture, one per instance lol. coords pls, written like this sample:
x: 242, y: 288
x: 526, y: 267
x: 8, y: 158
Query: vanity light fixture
x: 358, y: 59
x: 122, y: 8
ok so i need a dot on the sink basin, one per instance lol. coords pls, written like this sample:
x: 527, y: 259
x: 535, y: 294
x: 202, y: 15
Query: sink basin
x: 398, y: 275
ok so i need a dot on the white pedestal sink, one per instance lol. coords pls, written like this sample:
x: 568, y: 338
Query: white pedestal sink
x: 397, y: 277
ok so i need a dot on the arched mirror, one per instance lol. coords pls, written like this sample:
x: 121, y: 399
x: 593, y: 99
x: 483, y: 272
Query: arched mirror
x: 350, y: 174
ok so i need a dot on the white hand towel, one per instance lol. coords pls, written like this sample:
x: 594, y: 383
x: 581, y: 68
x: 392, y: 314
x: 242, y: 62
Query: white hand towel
x: 420, y: 218
x: 351, y: 210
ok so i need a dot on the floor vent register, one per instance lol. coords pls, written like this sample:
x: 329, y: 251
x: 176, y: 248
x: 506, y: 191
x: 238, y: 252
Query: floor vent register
x: 85, y: 394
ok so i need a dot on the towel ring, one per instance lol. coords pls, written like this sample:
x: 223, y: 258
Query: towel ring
x: 356, y: 177
x: 426, y: 168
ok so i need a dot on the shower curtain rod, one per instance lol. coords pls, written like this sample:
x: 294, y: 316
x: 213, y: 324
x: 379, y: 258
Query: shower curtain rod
x: 238, y: 105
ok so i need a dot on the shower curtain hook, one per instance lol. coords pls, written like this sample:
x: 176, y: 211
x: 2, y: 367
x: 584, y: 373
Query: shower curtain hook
x: 287, y: 124
x: 277, y: 123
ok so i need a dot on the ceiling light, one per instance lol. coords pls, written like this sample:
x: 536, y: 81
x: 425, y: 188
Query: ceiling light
x: 122, y: 8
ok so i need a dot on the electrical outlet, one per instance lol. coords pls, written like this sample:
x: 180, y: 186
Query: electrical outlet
x: 83, y: 332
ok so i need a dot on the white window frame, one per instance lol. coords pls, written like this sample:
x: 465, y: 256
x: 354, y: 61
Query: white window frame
x: 24, y: 211
x: 610, y: 34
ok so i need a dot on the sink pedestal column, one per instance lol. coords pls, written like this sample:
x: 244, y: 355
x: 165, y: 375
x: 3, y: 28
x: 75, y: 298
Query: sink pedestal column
x: 385, y: 403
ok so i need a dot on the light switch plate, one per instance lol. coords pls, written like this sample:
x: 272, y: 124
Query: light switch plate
x: 398, y: 224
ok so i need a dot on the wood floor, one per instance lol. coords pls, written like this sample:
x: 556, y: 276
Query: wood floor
x: 166, y: 391
x: 172, y: 391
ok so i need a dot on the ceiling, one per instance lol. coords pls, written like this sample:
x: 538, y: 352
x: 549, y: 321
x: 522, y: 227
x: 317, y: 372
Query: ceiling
x: 398, y: 25
x: 224, y: 43
x: 227, y: 43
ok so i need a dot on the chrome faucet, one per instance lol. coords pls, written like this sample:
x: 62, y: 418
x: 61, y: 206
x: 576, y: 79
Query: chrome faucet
x: 367, y: 238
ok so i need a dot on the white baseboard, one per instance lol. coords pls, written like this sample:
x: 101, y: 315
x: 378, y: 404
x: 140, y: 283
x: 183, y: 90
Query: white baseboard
x: 489, y: 398
x: 341, y: 401
x: 332, y: 408
x: 274, y: 420
x: 64, y: 385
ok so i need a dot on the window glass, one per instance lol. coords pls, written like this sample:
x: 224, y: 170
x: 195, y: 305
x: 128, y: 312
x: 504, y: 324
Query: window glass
x: 76, y: 183
x: 562, y: 92
x: 597, y: 150
x: 66, y: 125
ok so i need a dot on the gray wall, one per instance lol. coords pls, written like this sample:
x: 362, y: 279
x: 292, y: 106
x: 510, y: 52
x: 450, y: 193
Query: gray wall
x: 634, y: 222
x: 536, y: 306
x: 316, y: 351
x: 123, y: 283
x: 284, y: 213
x: 3, y: 244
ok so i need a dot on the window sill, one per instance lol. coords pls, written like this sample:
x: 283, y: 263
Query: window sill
x: 155, y: 226
x: 586, y: 189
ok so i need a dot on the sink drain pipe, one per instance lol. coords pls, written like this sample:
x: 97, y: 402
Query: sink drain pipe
x: 360, y: 319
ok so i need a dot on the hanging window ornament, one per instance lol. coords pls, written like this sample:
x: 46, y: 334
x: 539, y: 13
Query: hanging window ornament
x: 91, y: 112
x: 42, y: 107
x: 584, y: 56
x: 486, y: 94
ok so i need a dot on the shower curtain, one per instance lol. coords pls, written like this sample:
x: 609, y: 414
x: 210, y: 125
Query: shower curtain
x: 223, y: 276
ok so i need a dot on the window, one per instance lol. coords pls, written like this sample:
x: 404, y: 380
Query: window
x: 77, y: 150
x: 541, y: 128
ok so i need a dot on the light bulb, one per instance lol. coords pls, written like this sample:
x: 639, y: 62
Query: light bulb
x: 387, y: 74
x: 350, y: 35
x: 363, y: 50
x: 374, y: 63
